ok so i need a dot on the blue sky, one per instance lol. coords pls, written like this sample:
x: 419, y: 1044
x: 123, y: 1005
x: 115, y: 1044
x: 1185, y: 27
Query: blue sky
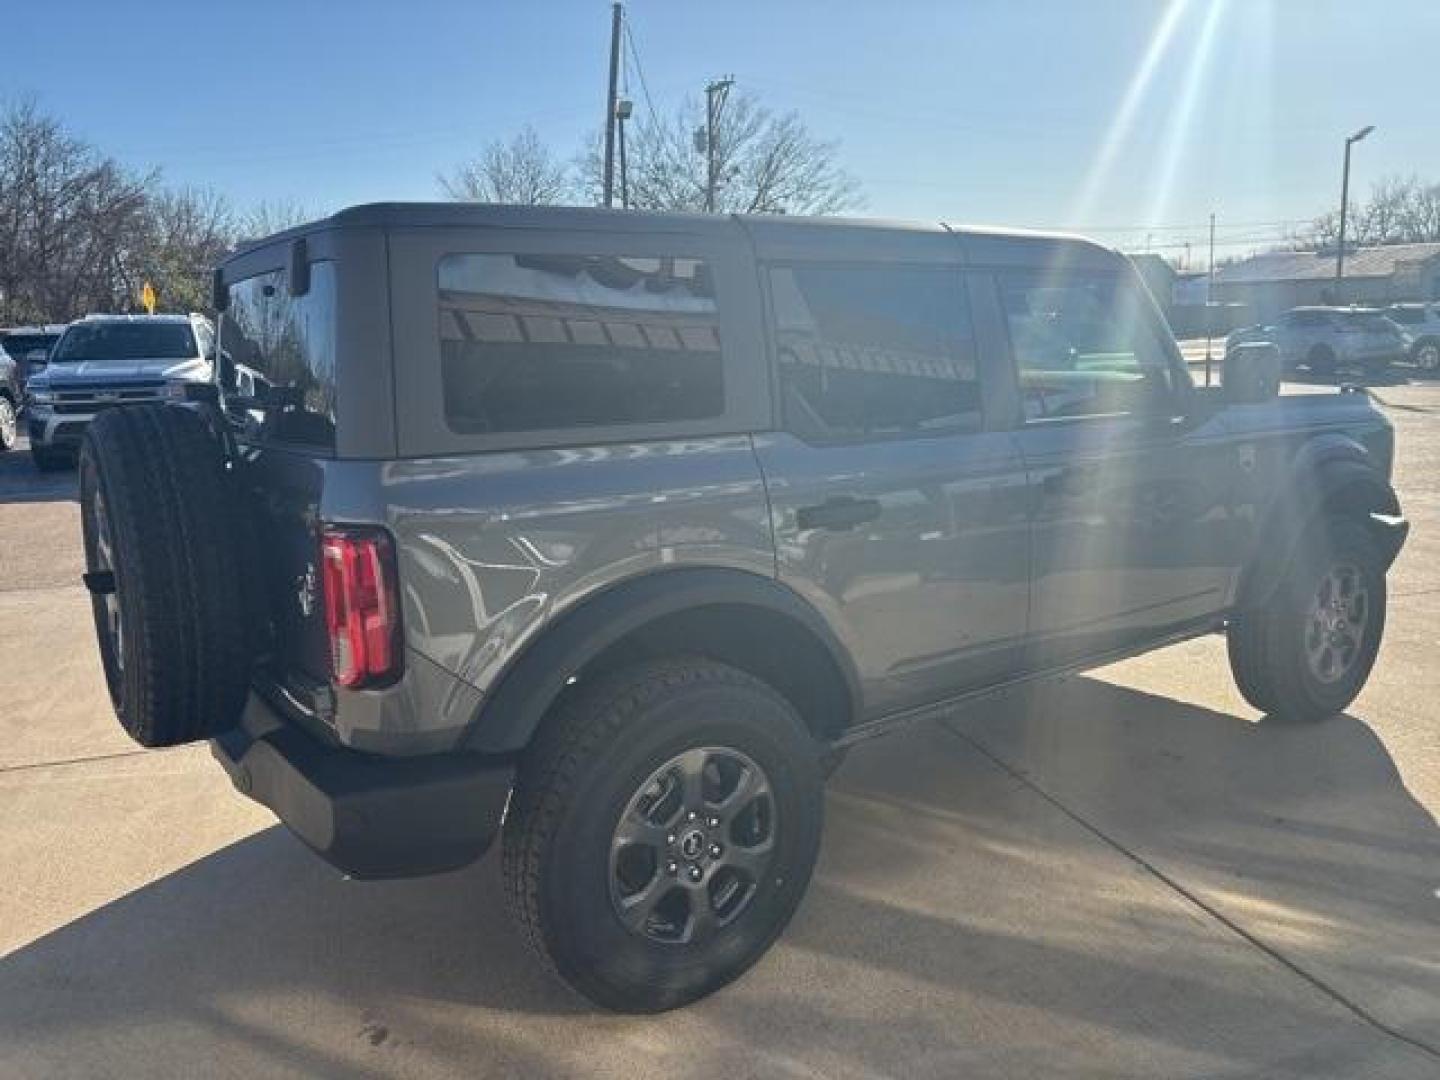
x: 1131, y: 119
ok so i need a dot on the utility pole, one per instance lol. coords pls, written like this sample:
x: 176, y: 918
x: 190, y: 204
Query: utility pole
x: 1344, y: 203
x: 623, y: 110
x: 1210, y: 300
x: 616, y: 14
x: 715, y: 95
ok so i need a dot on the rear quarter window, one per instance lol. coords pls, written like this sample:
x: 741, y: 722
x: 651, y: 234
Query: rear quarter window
x: 553, y: 342
x: 278, y: 351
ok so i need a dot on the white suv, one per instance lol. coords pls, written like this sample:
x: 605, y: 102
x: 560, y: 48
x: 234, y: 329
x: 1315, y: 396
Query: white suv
x: 1421, y: 324
x: 1326, y: 339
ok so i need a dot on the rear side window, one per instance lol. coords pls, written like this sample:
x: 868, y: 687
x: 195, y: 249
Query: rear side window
x: 547, y: 342
x: 874, y: 352
x: 1085, y: 346
x: 277, y: 352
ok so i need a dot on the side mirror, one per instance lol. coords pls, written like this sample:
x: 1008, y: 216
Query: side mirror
x: 1250, y: 373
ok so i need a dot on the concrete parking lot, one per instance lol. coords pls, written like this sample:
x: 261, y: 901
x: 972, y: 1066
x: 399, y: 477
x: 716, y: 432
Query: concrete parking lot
x: 1127, y: 874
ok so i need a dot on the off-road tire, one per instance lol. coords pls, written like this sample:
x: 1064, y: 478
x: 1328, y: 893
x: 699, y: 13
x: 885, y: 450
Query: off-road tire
x: 1267, y: 645
x: 48, y: 459
x: 576, y: 779
x: 181, y: 666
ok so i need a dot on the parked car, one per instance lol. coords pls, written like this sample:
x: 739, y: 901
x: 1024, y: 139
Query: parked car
x: 108, y: 360
x: 1325, y: 340
x: 610, y: 531
x: 29, y: 347
x: 1421, y: 325
x: 10, y: 399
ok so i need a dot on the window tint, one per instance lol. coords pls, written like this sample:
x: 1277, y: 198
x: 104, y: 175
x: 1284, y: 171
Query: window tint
x: 1408, y: 316
x: 280, y: 350
x: 1310, y: 318
x: 536, y: 342
x: 874, y: 352
x: 1084, y: 346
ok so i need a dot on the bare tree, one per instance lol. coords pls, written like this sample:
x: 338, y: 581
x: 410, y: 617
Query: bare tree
x: 69, y: 218
x: 764, y: 164
x: 521, y: 171
x: 272, y: 216
x: 1400, y: 210
x: 187, y: 233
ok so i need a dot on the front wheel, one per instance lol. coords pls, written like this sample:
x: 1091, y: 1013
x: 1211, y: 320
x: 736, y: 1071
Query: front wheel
x: 1427, y: 356
x: 662, y: 831
x: 9, y: 430
x: 1307, y: 654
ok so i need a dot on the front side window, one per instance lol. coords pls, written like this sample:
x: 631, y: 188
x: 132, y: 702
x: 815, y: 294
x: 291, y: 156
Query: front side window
x: 552, y: 342
x: 101, y: 342
x: 874, y: 352
x: 1085, y: 346
x: 277, y: 356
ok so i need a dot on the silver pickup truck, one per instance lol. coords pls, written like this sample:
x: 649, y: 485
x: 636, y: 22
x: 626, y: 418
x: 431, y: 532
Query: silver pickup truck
x: 106, y: 360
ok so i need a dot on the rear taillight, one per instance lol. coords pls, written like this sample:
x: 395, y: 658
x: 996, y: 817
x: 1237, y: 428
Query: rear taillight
x: 362, y: 616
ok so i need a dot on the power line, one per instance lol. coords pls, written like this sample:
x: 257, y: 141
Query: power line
x: 633, y: 53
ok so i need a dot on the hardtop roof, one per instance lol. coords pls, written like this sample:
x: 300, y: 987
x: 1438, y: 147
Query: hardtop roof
x: 763, y: 229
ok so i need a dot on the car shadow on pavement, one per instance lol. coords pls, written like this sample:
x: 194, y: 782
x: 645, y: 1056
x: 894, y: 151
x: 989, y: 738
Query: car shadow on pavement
x: 21, y: 481
x: 961, y: 923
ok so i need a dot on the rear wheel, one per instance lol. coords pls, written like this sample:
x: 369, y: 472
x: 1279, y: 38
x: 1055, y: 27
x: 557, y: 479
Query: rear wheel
x: 1307, y: 654
x: 662, y: 831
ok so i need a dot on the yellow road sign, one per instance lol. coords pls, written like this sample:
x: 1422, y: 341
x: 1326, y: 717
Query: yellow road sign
x: 147, y: 297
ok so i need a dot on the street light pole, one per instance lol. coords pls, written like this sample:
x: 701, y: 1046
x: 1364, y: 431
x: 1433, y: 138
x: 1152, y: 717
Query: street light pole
x: 1344, y: 207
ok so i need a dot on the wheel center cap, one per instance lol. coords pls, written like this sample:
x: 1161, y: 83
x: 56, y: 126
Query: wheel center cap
x: 692, y: 843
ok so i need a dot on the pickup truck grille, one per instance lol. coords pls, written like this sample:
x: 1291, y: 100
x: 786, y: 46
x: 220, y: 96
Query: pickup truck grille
x: 93, y: 397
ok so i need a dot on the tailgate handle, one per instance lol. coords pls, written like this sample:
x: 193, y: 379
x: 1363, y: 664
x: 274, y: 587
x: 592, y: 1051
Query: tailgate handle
x: 838, y: 514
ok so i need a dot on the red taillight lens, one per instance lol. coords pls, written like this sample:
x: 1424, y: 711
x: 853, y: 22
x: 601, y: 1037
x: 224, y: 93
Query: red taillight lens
x: 362, y: 616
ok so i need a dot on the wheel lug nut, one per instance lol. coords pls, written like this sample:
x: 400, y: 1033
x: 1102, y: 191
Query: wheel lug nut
x: 691, y: 816
x: 670, y: 838
x: 713, y: 822
x: 696, y: 873
x: 716, y: 851
x: 672, y: 868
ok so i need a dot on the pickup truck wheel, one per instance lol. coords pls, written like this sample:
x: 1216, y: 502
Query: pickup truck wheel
x: 662, y: 831
x: 164, y: 565
x: 9, y: 430
x: 1307, y: 654
x: 1426, y: 356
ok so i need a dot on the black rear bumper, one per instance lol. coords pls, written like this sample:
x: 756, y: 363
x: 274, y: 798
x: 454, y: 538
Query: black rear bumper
x: 371, y: 816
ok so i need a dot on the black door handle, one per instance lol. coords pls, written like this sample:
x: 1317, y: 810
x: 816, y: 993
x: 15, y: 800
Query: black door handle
x: 841, y: 513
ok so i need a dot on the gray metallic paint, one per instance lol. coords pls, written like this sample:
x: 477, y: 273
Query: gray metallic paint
x: 931, y: 601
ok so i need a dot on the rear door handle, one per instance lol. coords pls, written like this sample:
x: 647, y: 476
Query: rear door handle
x: 838, y: 514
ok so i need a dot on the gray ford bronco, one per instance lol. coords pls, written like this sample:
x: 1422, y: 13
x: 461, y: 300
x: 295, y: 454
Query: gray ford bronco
x: 610, y: 531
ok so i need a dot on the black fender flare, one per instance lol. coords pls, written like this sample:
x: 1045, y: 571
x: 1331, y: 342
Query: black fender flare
x: 1337, y: 474
x: 526, y: 689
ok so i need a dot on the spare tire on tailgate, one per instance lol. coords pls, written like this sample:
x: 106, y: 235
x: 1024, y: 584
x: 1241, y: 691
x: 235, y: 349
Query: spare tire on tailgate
x: 164, y: 530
